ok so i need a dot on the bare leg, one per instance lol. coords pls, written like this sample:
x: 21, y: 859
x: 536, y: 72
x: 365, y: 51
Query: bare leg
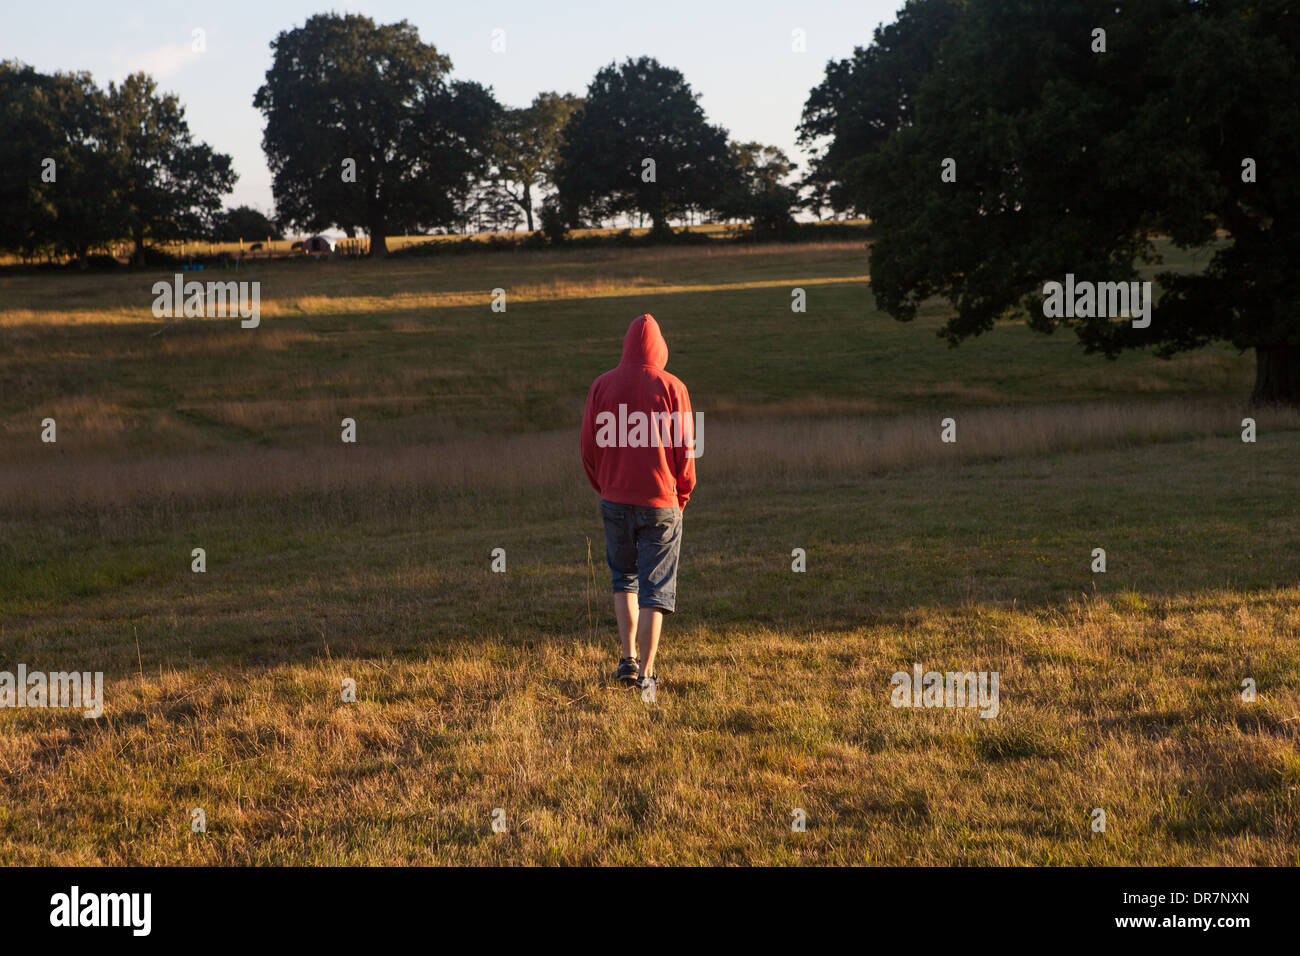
x: 625, y: 609
x: 647, y: 638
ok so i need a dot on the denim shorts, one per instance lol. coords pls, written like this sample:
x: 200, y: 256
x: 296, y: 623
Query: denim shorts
x: 642, y: 546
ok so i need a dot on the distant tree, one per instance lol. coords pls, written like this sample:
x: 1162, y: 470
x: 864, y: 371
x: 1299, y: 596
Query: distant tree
x: 554, y: 223
x: 482, y: 207
x: 58, y: 191
x: 641, y: 144
x: 815, y: 195
x: 1068, y: 160
x: 90, y: 194
x: 170, y: 186
x: 526, y: 149
x: 868, y: 96
x: 244, y: 222
x: 342, y: 93
x: 760, y: 195
x: 120, y: 163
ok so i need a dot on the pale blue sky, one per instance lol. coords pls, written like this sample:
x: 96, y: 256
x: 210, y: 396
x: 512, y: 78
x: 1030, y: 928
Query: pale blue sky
x: 736, y: 54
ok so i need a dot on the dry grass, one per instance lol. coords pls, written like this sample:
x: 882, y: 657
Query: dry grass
x: 480, y: 690
x: 791, y: 448
x: 1095, y: 713
x: 283, y: 297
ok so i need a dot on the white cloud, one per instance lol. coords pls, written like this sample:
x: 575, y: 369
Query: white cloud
x: 159, y: 62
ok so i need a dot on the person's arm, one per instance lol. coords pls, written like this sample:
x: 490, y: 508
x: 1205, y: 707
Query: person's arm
x: 587, y: 440
x: 683, y: 461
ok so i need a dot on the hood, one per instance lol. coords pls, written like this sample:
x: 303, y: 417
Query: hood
x: 644, y: 344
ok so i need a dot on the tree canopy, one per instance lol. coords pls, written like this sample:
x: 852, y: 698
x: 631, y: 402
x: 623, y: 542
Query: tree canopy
x: 760, y: 194
x: 244, y: 222
x: 868, y: 96
x: 641, y: 144
x: 85, y: 166
x: 365, y: 128
x: 171, y: 186
x: 1066, y: 150
x: 526, y: 148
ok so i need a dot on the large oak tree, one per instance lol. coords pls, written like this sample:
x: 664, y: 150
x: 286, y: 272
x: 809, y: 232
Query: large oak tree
x: 641, y: 144
x: 345, y: 96
x: 1069, y: 160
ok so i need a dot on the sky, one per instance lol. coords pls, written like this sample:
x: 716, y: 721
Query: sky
x: 738, y: 56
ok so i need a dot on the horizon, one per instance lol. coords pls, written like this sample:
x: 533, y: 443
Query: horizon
x: 216, y: 87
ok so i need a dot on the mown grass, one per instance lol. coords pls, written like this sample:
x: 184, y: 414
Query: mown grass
x: 480, y: 691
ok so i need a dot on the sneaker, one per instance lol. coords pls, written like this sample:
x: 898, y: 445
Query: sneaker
x: 628, y: 668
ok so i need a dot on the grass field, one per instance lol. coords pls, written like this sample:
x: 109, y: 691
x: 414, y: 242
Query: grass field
x: 477, y: 691
x: 283, y: 248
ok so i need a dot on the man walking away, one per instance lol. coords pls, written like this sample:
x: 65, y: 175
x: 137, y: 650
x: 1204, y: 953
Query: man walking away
x: 637, y: 444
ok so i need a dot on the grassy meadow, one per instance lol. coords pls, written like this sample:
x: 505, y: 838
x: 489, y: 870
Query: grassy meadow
x: 478, y: 690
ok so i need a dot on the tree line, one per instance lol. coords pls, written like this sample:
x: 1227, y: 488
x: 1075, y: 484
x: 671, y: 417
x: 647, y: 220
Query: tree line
x: 85, y: 166
x: 366, y: 131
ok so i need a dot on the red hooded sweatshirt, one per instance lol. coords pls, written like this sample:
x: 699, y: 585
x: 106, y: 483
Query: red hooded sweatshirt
x: 634, y: 453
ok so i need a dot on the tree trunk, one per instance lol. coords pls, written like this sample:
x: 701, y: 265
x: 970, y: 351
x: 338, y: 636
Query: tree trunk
x: 659, y: 222
x: 378, y: 240
x: 528, y: 204
x: 1277, y: 375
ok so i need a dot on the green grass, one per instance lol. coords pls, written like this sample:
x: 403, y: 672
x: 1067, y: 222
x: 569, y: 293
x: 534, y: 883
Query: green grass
x: 479, y: 690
